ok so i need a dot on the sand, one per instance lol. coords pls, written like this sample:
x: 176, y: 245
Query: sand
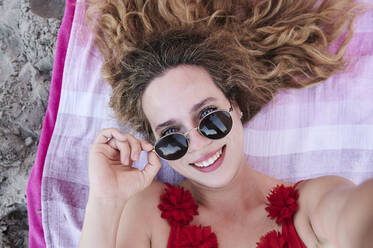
x: 27, y: 44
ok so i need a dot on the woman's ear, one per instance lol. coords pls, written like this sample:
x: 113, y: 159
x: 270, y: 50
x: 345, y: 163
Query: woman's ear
x: 236, y: 108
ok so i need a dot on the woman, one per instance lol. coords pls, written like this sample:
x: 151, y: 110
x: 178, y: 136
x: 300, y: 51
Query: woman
x: 188, y: 75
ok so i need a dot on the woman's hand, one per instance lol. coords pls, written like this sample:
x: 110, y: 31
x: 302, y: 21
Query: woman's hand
x: 111, y: 175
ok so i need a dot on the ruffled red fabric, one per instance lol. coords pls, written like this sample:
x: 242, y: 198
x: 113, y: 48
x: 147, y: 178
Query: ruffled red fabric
x: 272, y: 239
x: 282, y: 205
x: 177, y: 205
x: 178, y: 208
x: 195, y: 237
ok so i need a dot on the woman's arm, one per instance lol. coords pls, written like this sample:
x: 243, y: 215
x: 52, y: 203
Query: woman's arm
x: 112, y: 185
x: 101, y: 222
x: 140, y: 218
x: 339, y: 212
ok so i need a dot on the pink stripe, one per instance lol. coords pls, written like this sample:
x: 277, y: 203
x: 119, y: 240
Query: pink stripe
x: 361, y: 44
x: 33, y: 191
x: 67, y: 192
x: 81, y: 46
x: 89, y: 79
x: 355, y: 84
x: 80, y: 25
x: 67, y: 160
x: 73, y: 126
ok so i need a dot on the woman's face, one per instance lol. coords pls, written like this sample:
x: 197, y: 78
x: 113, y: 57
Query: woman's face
x: 181, y: 97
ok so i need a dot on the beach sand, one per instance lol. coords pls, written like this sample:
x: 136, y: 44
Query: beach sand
x: 27, y: 43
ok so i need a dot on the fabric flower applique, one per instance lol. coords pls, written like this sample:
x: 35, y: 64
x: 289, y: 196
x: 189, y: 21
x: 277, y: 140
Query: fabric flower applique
x: 178, y: 208
x: 282, y: 203
x: 177, y: 205
x: 195, y: 237
x: 272, y: 239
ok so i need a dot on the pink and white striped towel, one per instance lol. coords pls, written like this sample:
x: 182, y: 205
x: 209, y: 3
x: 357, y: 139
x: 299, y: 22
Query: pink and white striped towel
x: 325, y: 129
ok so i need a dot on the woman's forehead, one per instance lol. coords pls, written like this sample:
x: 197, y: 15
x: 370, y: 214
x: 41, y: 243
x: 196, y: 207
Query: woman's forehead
x: 183, y: 84
x: 178, y: 90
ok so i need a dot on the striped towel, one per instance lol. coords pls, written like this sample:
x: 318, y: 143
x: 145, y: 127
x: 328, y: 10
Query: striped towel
x: 325, y: 129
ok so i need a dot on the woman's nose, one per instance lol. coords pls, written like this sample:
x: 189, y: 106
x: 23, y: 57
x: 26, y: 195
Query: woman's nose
x: 196, y: 140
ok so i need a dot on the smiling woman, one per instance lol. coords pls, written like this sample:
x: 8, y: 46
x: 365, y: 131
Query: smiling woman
x: 188, y: 75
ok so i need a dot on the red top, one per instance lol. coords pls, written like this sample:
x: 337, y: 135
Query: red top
x: 178, y: 208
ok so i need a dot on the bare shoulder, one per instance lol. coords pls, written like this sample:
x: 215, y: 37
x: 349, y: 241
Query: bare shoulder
x: 149, y: 195
x: 144, y: 204
x: 323, y: 184
x: 312, y: 190
x: 315, y: 196
x: 138, y: 217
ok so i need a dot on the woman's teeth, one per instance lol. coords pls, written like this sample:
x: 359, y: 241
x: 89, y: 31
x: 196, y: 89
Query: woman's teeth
x: 209, y: 161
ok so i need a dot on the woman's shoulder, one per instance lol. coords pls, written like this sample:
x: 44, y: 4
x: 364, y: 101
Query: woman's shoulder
x: 322, y: 184
x: 147, y: 199
x: 141, y: 217
x: 311, y: 191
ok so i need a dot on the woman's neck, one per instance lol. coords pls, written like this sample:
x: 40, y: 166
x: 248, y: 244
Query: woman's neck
x: 247, y: 190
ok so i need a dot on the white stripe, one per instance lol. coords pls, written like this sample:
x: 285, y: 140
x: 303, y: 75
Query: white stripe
x: 290, y: 141
x: 85, y: 104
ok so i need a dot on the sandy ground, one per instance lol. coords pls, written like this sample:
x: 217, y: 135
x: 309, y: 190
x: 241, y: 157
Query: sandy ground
x: 27, y: 44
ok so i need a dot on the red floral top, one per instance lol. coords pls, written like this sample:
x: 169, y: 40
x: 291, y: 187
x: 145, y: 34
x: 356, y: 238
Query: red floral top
x: 178, y: 208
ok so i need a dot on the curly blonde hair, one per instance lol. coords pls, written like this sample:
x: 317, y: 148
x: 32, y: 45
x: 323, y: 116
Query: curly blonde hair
x: 251, y: 49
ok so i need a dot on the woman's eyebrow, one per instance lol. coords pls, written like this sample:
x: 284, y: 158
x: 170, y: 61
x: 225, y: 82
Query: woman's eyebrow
x: 165, y: 124
x: 194, y: 109
x: 197, y: 106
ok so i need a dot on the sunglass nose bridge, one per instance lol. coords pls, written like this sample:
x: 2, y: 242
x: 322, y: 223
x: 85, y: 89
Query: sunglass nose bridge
x: 186, y: 134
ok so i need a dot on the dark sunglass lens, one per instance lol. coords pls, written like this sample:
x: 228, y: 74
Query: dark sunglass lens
x: 172, y: 147
x: 216, y: 125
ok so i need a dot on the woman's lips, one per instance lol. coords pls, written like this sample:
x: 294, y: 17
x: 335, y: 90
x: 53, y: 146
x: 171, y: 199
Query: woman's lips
x: 206, y: 156
x: 214, y: 165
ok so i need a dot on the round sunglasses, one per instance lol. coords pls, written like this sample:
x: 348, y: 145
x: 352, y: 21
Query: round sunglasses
x: 215, y: 125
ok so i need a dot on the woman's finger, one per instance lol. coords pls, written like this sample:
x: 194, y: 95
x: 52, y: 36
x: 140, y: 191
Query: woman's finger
x: 151, y: 168
x: 146, y: 146
x: 108, y: 133
x: 109, y: 152
x: 124, y: 149
x: 135, y: 147
x: 129, y: 149
x: 129, y: 146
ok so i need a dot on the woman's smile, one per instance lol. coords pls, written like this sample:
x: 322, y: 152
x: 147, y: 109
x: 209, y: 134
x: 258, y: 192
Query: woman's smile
x: 210, y: 161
